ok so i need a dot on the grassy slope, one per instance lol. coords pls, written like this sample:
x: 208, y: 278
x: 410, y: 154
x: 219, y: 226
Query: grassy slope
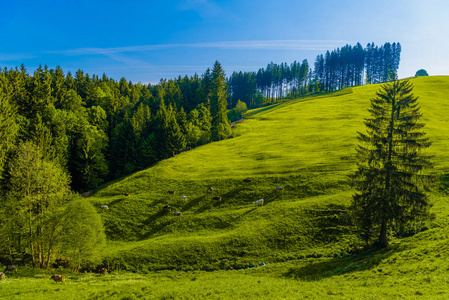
x: 306, y: 146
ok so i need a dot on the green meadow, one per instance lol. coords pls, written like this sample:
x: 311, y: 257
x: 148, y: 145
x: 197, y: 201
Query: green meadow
x: 303, y: 235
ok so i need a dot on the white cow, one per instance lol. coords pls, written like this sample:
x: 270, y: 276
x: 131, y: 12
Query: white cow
x: 260, y: 201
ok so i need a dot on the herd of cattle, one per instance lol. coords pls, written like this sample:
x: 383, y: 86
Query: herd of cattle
x: 55, y: 278
x: 167, y: 208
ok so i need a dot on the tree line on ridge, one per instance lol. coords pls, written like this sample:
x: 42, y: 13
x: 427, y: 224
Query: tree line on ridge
x: 345, y: 67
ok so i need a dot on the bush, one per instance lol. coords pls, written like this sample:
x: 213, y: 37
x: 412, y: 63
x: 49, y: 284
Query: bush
x: 421, y: 72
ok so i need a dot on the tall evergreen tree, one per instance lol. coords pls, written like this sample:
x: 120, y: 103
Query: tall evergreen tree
x: 390, y: 182
x: 218, y: 95
x: 175, y: 142
x: 8, y: 128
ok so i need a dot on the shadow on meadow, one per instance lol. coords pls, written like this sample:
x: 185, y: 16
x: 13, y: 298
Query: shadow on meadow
x: 444, y: 183
x: 330, y: 222
x: 345, y: 264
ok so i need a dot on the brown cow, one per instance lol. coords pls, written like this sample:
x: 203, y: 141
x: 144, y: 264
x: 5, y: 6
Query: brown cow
x: 103, y: 271
x: 58, y: 278
x: 218, y: 198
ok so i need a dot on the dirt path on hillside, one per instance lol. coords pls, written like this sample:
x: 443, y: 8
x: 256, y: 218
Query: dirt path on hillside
x: 238, y: 121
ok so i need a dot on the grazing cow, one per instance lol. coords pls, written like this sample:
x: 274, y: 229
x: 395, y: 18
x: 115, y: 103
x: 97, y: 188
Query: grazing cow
x: 210, y: 189
x: 280, y: 189
x: 10, y: 268
x: 126, y: 194
x: 104, y: 207
x: 171, y: 192
x: 87, y: 194
x: 178, y: 213
x: 58, y: 278
x: 184, y: 197
x: 218, y: 198
x: 103, y: 271
x: 2, y: 276
x: 260, y: 201
x: 248, y: 180
x: 167, y: 208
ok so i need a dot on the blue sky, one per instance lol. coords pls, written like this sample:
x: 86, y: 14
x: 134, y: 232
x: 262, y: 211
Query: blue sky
x: 148, y: 40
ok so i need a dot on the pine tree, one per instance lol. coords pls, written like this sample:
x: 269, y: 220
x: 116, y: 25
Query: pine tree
x: 8, y: 128
x: 58, y: 88
x: 181, y: 118
x: 390, y: 182
x: 218, y: 95
x: 124, y: 149
x: 175, y: 142
x: 161, y: 125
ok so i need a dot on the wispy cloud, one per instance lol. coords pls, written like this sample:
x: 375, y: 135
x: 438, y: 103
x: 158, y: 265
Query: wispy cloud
x: 19, y: 56
x: 315, y: 45
x: 128, y: 61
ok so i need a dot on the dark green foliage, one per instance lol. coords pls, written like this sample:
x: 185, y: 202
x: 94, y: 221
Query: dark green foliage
x: 390, y: 182
x: 124, y: 150
x: 237, y: 112
x: 87, y: 163
x: 421, y: 72
x: 8, y: 127
x: 98, y: 128
x: 218, y: 94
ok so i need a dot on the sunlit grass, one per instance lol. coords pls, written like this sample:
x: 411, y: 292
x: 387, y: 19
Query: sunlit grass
x: 303, y: 234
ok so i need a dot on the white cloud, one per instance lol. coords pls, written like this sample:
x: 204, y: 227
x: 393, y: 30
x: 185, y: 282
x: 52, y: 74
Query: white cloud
x: 313, y: 45
x: 18, y: 56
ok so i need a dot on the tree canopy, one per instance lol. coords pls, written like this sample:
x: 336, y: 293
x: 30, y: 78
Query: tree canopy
x: 421, y: 72
x: 390, y: 181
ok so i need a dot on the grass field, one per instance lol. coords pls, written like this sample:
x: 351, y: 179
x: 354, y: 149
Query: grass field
x: 304, y: 234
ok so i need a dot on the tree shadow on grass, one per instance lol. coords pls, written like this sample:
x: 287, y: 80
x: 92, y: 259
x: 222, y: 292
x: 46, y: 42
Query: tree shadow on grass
x: 329, y: 222
x: 156, y: 226
x: 194, y: 202
x: 366, y: 260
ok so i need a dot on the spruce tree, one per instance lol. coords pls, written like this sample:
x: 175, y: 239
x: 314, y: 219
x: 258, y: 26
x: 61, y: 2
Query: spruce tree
x: 175, y: 142
x: 390, y: 181
x: 181, y: 118
x: 8, y: 128
x: 161, y: 125
x: 218, y: 95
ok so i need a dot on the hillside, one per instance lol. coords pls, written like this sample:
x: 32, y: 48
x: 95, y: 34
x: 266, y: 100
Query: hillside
x: 305, y: 145
x: 303, y: 235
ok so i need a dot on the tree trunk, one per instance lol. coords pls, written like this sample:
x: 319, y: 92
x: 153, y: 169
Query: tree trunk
x: 383, y: 242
